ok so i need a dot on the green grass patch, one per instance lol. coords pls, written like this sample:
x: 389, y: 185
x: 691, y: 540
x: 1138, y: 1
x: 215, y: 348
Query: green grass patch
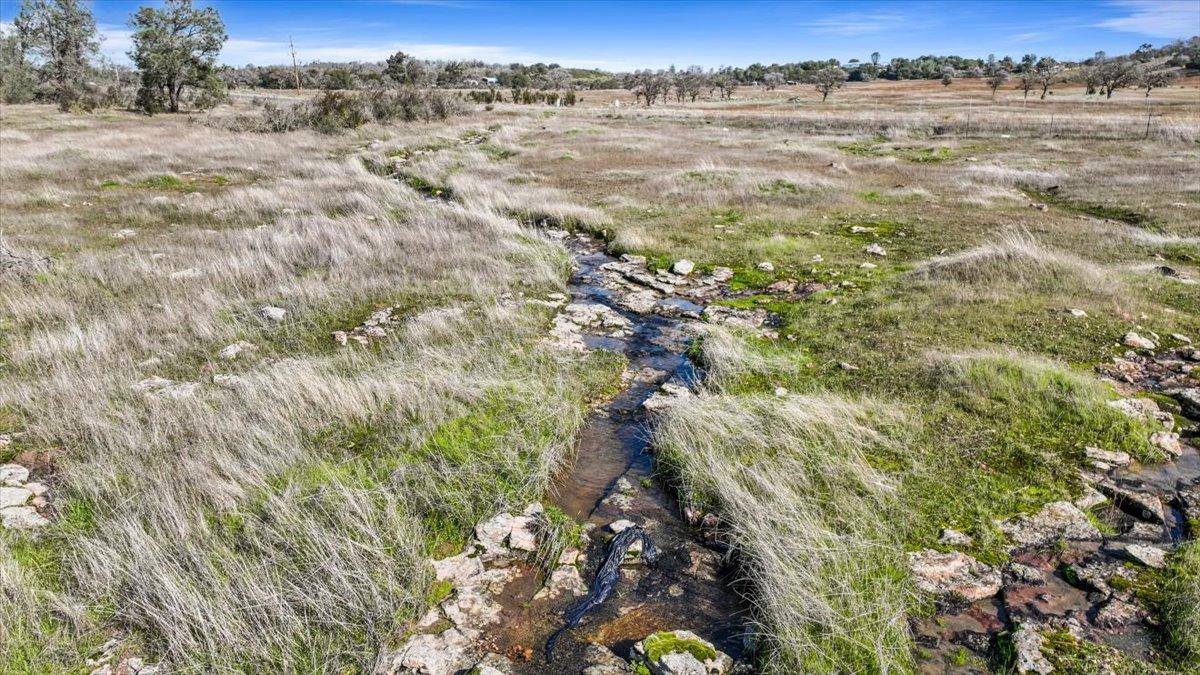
x: 1117, y: 212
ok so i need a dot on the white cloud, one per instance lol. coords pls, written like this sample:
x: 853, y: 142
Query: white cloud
x: 1157, y: 18
x: 1029, y: 37
x: 853, y: 25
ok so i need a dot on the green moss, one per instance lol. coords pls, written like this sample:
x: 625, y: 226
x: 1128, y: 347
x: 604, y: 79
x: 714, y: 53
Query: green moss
x: 1104, y: 211
x: 667, y: 642
x: 1081, y: 657
x: 438, y: 591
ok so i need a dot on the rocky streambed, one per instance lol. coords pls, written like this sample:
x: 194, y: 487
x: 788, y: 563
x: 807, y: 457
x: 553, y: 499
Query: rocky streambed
x: 677, y: 615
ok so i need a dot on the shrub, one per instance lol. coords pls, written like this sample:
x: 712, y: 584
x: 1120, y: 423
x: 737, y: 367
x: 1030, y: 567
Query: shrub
x: 333, y: 111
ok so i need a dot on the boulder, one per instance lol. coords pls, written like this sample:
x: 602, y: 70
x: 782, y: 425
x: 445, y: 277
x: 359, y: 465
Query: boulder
x: 953, y: 573
x: 1189, y: 400
x: 492, y: 534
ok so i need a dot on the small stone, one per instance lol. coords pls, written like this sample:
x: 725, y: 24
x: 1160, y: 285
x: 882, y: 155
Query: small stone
x: 875, y: 249
x: 722, y: 274
x: 230, y: 381
x: 952, y: 537
x: 867, y: 266
x: 1025, y: 574
x: 1107, y: 456
x: 232, y: 351
x: 781, y: 391
x: 1132, y: 339
x: 38, y: 489
x: 1182, y: 339
x: 13, y: 474
x: 1167, y: 442
x: 271, y: 313
x: 123, y: 233
x: 683, y: 267
x: 493, y: 533
x: 1077, y: 313
x: 493, y: 664
x: 619, y: 526
x: 765, y: 266
x: 849, y: 367
x: 152, y: 384
x: 444, y: 653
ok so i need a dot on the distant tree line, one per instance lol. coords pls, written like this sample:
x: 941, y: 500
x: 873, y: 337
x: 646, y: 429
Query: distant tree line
x: 52, y: 55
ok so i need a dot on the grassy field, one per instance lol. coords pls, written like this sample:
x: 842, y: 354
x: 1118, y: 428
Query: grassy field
x: 280, y: 518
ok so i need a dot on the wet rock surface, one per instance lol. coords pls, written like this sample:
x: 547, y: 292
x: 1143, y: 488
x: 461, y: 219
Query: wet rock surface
x: 1074, y: 566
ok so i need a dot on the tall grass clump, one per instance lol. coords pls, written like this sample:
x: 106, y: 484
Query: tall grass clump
x: 1015, y: 261
x: 816, y: 527
x: 1181, y: 604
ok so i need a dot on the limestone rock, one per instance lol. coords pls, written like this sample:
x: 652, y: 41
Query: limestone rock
x: 1117, y: 613
x: 680, y: 652
x: 1150, y: 556
x: 1056, y: 520
x: 231, y: 352
x: 22, y: 518
x: 459, y: 569
x: 445, y: 653
x: 1144, y: 505
x: 14, y: 496
x: 1167, y: 442
x: 952, y: 537
x: 602, y: 661
x: 1027, y: 645
x: 683, y: 267
x: 13, y: 474
x: 955, y: 572
x: 272, y: 313
x: 765, y: 266
x: 523, y: 536
x: 1108, y: 456
x: 1132, y: 339
x: 875, y: 250
x: 564, y: 579
x: 493, y: 664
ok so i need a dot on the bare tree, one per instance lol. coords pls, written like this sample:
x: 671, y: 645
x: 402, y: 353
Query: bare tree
x: 996, y: 80
x: 829, y: 79
x: 772, y: 80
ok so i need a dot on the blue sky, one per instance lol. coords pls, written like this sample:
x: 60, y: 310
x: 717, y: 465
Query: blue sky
x: 625, y: 35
